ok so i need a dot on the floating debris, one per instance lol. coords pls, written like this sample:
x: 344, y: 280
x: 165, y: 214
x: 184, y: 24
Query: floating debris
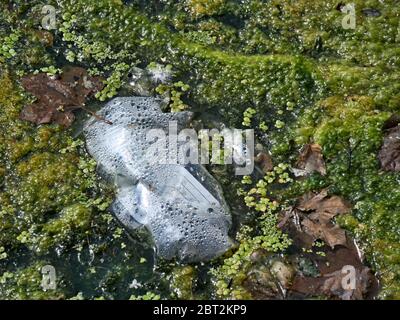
x: 182, y: 206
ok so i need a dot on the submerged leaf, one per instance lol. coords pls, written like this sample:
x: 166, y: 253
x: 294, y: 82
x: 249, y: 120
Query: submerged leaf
x: 57, y: 98
x: 314, y: 215
x: 310, y: 160
x: 389, y: 155
x: 322, y: 203
x: 264, y: 161
x: 331, y: 234
x: 335, y: 285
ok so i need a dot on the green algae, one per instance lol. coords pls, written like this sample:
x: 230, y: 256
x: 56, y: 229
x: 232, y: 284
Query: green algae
x: 39, y: 179
x: 49, y: 192
x: 27, y: 284
x: 307, y: 78
x: 182, y: 282
x: 217, y: 74
x: 52, y: 205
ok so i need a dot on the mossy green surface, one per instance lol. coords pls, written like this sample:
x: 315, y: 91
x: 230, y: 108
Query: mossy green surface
x: 307, y: 78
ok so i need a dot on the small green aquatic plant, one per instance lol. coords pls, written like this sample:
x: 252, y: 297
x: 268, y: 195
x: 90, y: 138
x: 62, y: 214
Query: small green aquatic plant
x: 114, y: 82
x: 7, y: 47
x: 248, y: 116
x: 231, y: 275
x: 51, y: 70
x: 175, y: 92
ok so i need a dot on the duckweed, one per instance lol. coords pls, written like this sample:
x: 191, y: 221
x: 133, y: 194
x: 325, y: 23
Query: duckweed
x: 174, y: 93
x: 7, y: 49
x: 266, y: 236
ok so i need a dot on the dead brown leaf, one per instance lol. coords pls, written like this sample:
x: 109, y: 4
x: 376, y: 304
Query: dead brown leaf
x: 312, y: 201
x: 310, y: 160
x: 331, y: 285
x: 333, y: 280
x: 322, y: 275
x: 315, y: 212
x: 389, y: 155
x: 330, y: 233
x: 320, y: 202
x: 318, y: 223
x: 58, y: 97
x: 264, y: 160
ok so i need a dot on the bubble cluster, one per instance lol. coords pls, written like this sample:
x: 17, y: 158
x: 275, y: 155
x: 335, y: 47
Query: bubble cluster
x: 182, y: 206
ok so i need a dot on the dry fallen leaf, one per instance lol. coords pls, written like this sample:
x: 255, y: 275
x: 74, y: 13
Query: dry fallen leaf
x: 310, y: 160
x: 57, y: 98
x: 312, y: 201
x: 320, y: 202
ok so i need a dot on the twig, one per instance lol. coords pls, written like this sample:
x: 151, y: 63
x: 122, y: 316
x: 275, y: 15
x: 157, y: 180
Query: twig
x: 96, y: 115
